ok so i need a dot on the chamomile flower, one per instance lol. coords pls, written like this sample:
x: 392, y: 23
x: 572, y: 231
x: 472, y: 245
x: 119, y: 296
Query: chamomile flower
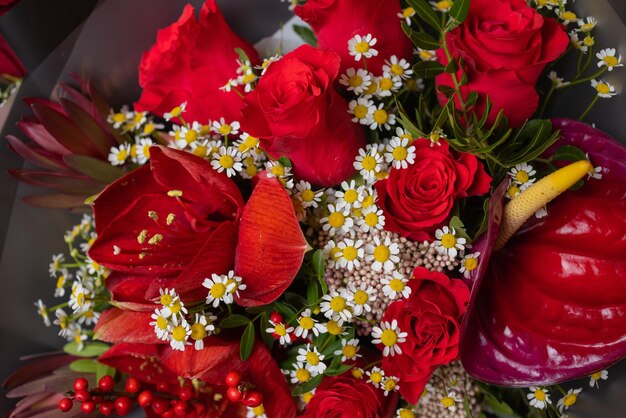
x: 390, y: 384
x: 332, y: 254
x: 388, y: 84
x: 267, y: 62
x: 119, y: 155
x: 523, y: 175
x: 513, y: 190
x: 568, y: 400
x: 442, y: 6
x: 395, y: 286
x: 307, y: 196
x: 307, y: 324
x: 89, y: 318
x: 382, y: 254
x: 375, y: 376
x: 117, y: 119
x: 247, y: 143
x: 350, y: 195
x: 188, y: 135
x: 234, y: 283
x: 604, y: 89
x: 361, y: 46
x: 360, y: 298
x: 587, y: 25
x: 177, y: 307
x: 576, y: 43
x: 250, y: 168
x: 398, y: 67
x: 399, y: 153
x: 338, y: 220
x: 300, y: 374
x: 335, y: 327
x: 312, y: 359
x: 223, y: 128
x: 389, y: 335
x: 405, y: 413
x: 407, y: 14
x: 228, y: 160
x: 143, y: 150
x: 435, y: 137
x: 557, y: 81
x: 167, y: 296
x: 161, y: 324
x: 247, y: 80
x: 63, y: 321
x: 447, y: 242
x: 538, y: 397
x: 42, y: 311
x: 356, y: 80
x: 368, y: 163
x: 175, y: 112
x: 596, y: 172
x: 256, y: 411
x: 349, y: 350
x: 567, y: 17
x: 80, y: 298
x: 59, y: 290
x: 180, y: 333
x: 352, y: 253
x: 280, y: 330
x: 362, y: 109
x: 276, y: 169
x: 449, y: 401
x: 219, y: 290
x: 382, y: 119
x: 469, y: 264
x: 426, y: 54
x: 228, y: 87
x: 78, y: 336
x: 597, y: 376
x: 202, y: 328
x: 607, y: 58
x: 372, y: 218
x: 335, y: 306
x: 150, y: 128
x: 56, y: 265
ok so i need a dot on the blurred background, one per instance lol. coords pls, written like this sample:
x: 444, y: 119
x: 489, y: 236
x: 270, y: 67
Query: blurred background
x: 103, y: 40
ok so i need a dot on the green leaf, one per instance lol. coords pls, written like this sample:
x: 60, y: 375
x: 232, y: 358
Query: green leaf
x: 446, y: 91
x: 452, y: 67
x: 466, y: 406
x: 307, y: 34
x: 84, y: 366
x: 421, y: 39
x: 103, y: 370
x: 285, y: 310
x: 93, y: 349
x: 457, y: 13
x: 568, y: 153
x: 426, y: 13
x: 94, y: 168
x: 312, y: 292
x: 308, y: 386
x: 319, y: 267
x: 234, y: 321
x: 267, y: 338
x: 243, y: 57
x: 335, y: 371
x: 247, y: 342
x: 285, y: 162
x: 497, y: 406
x: 459, y: 228
x: 484, y: 223
x: 428, y: 69
x: 471, y: 99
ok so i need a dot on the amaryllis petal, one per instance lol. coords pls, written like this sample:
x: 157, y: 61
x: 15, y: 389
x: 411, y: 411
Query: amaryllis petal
x: 271, y: 245
x: 120, y: 326
x: 550, y: 305
x: 140, y: 361
x: 127, y: 289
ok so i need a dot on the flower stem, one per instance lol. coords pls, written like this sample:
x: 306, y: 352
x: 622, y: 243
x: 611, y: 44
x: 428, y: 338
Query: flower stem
x: 593, y: 102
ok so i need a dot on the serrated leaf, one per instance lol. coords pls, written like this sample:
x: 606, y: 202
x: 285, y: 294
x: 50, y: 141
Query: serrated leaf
x: 307, y: 34
x: 247, y: 342
x: 92, y: 349
x: 457, y: 14
x: 234, y: 321
x: 308, y: 386
x: 84, y: 366
x: 426, y: 13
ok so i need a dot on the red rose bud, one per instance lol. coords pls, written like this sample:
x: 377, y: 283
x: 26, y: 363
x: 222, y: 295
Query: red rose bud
x: 65, y: 404
x: 106, y: 383
x: 233, y: 394
x: 232, y: 379
x: 80, y: 384
x: 531, y: 41
x: 276, y: 317
x: 310, y: 124
x: 252, y: 398
x: 82, y: 396
x: 106, y: 408
x: 132, y: 385
x: 88, y: 407
x: 145, y: 398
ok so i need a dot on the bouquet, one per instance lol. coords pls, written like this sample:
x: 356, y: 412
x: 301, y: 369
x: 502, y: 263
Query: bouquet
x: 379, y: 221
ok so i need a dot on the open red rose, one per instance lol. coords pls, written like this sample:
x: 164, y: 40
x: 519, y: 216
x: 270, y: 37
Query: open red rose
x: 337, y: 21
x: 191, y: 60
x: 505, y: 45
x: 418, y: 200
x: 431, y: 316
x: 297, y: 113
x: 176, y: 221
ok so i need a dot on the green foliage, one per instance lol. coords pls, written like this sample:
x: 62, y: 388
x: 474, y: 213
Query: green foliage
x: 308, y: 386
x: 246, y: 344
x: 425, y: 11
x: 234, y: 321
x: 306, y: 34
x: 90, y: 349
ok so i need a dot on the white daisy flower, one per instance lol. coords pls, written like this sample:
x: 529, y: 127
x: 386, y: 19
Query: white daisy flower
x: 227, y: 159
x: 187, y: 135
x: 175, y: 112
x: 332, y: 254
x: 350, y: 196
x: 234, y: 283
x: 225, y: 129
x: 56, y: 265
x: 247, y: 80
x: 604, y: 89
x: 79, y: 336
x: 247, y: 143
x: 595, y: 377
x: 523, y: 174
x: 362, y: 109
x: 389, y: 335
x: 469, y: 264
x: 180, y: 333
x: 349, y: 350
x: 382, y: 254
x: 360, y: 298
x: 117, y: 119
x: 375, y: 376
x: 538, y: 397
x: 372, y: 218
x: 118, y: 155
x: 587, y: 25
x: 426, y: 54
x: 89, y: 318
x: 406, y: 14
x: 398, y: 67
x: 388, y: 84
x: 567, y: 16
x: 219, y: 290
x: 447, y: 242
x: 276, y: 169
x: 63, y: 321
x: 449, y: 401
x: 202, y: 328
x: 257, y: 411
x: 80, y: 298
x: 308, y: 197
x: 267, y: 62
x: 568, y: 400
x: 280, y: 330
x: 399, y: 153
x: 143, y: 150
x: 335, y: 306
x: 307, y: 324
x: 382, y: 119
x: 395, y: 286
x: 42, y: 311
x: 442, y: 6
x: 351, y: 253
x: 390, y: 384
x: 369, y: 162
x: 361, y: 46
x: 312, y: 359
x: 161, y: 325
x: 338, y: 220
x: 228, y: 87
x: 557, y: 81
x: 356, y: 80
x: 300, y: 373
x: 607, y: 58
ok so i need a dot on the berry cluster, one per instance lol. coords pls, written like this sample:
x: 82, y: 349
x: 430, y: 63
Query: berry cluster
x: 238, y: 392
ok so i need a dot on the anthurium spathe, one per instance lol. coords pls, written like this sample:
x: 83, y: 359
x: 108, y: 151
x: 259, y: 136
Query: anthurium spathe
x: 550, y: 304
x: 177, y: 221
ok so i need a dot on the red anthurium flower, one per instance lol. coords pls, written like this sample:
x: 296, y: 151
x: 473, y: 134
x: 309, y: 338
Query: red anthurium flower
x: 550, y: 304
x: 191, y: 60
x: 177, y: 221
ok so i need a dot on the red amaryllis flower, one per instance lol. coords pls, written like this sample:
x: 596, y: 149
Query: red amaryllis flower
x: 550, y: 304
x: 336, y: 21
x: 174, y: 222
x: 297, y: 113
x: 191, y: 60
x: 431, y: 317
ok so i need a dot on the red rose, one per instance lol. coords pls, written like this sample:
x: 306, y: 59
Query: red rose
x: 431, y: 316
x: 344, y: 396
x: 506, y: 45
x: 297, y: 113
x: 191, y: 60
x: 336, y: 21
x: 418, y: 200
x: 176, y: 221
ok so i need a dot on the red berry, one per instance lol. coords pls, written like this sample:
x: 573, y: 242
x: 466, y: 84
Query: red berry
x: 106, y: 408
x: 123, y: 405
x: 180, y: 409
x: 80, y: 384
x: 159, y: 406
x: 232, y: 378
x: 106, y: 383
x: 97, y: 399
x: 233, y: 394
x: 162, y: 387
x: 185, y: 393
x: 275, y: 317
x: 168, y: 414
x: 82, y: 396
x: 65, y: 404
x: 132, y: 385
x: 145, y: 398
x: 252, y: 398
x: 88, y: 407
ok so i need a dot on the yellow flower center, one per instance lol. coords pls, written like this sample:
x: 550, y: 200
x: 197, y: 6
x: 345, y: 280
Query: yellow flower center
x: 368, y: 201
x: 312, y: 358
x: 540, y: 395
x: 280, y: 330
x: 122, y: 155
x: 425, y: 54
x: 396, y: 285
x: 603, y: 88
x: 596, y: 376
x: 569, y: 16
x: 369, y: 162
x: 149, y: 128
x: 521, y: 176
x: 399, y: 153
x: 444, y: 5
x: 338, y: 304
x: 386, y: 84
x: 227, y: 161
x: 235, y: 286
x: 161, y: 323
x: 447, y: 401
x: 191, y: 136
x: 197, y: 331
x: 381, y: 253
x: 362, y: 47
x: 610, y: 61
x: 179, y: 333
x: 335, y: 253
x: 371, y: 219
x: 176, y: 111
x: 357, y: 373
x: 119, y: 118
x: 380, y: 116
x: 470, y: 263
x: 361, y: 297
x: 408, y: 12
x: 200, y: 151
x: 251, y: 170
x: 376, y: 377
x: 397, y: 69
x: 146, y: 151
x: 589, y: 41
x: 333, y: 328
x: 372, y: 88
x: 336, y: 219
x: 513, y: 191
x: 258, y: 410
x: 350, y: 253
x: 390, y: 384
x: 389, y: 337
x: 306, y: 397
x: 303, y: 375
x: 306, y: 322
x: 80, y: 299
x: 569, y: 400
x: 351, y: 196
x: 60, y: 281
x: 448, y: 240
x: 133, y: 150
x: 248, y: 78
x: 406, y: 413
x: 217, y: 290
x: 355, y: 81
x: 360, y: 111
x: 176, y: 307
x: 349, y: 351
x: 278, y: 170
x: 307, y: 195
x: 225, y: 129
